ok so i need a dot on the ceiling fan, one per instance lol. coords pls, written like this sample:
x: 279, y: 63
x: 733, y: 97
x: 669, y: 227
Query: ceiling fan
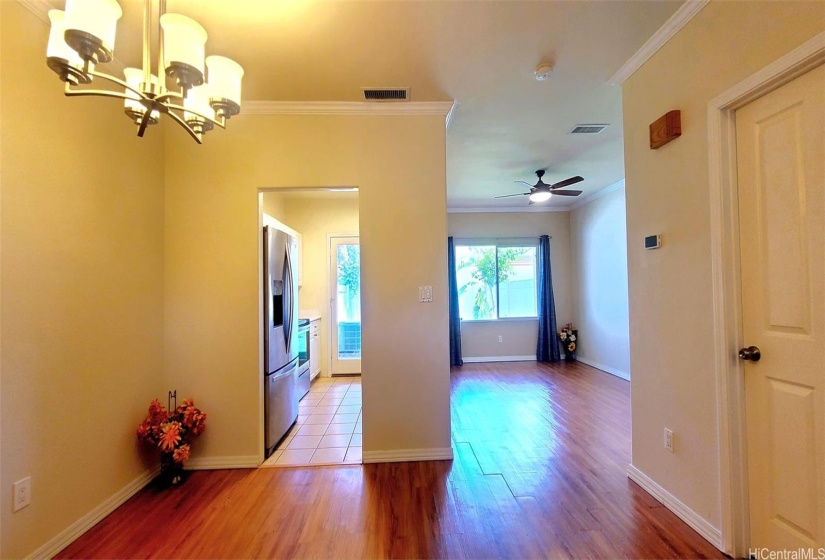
x: 541, y: 191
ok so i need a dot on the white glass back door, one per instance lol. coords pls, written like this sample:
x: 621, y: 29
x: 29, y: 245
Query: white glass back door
x: 345, y: 305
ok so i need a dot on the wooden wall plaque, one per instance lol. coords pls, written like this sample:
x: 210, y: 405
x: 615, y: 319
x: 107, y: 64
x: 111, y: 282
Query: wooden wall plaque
x: 665, y: 128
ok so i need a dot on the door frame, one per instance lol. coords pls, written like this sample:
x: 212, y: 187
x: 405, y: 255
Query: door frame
x: 726, y: 277
x: 330, y: 237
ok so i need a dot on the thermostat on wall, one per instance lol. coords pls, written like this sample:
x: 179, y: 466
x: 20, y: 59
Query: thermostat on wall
x: 653, y: 242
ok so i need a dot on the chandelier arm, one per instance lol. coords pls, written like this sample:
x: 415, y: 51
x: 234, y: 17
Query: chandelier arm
x: 144, y: 122
x: 177, y: 118
x: 168, y: 95
x: 68, y: 91
x: 221, y: 123
x: 117, y: 81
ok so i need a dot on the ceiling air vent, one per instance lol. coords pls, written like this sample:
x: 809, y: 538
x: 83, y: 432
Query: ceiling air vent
x: 387, y: 94
x: 588, y: 128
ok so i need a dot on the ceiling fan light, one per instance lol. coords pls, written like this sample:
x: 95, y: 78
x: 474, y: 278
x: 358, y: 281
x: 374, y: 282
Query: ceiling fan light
x: 60, y: 57
x: 90, y: 28
x: 184, y: 42
x: 225, y: 77
x: 540, y: 196
x: 132, y: 105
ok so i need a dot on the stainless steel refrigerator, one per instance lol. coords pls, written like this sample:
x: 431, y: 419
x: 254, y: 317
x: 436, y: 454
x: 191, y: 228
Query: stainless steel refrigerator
x: 280, y: 334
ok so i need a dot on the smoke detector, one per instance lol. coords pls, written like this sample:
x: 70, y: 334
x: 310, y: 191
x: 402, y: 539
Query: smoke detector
x: 543, y: 71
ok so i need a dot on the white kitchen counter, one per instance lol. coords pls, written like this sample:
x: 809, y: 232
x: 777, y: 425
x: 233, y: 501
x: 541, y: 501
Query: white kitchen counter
x: 311, y: 314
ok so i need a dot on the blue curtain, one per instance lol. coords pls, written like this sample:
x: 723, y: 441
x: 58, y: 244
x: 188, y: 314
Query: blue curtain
x: 548, y: 343
x: 455, y: 318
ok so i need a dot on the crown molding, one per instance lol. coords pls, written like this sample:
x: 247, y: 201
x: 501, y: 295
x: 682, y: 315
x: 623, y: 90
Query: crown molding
x: 677, y: 21
x: 597, y: 195
x: 441, y: 108
x: 39, y: 8
x: 510, y: 209
x: 451, y: 113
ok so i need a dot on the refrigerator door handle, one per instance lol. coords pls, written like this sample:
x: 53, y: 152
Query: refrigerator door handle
x: 289, y: 300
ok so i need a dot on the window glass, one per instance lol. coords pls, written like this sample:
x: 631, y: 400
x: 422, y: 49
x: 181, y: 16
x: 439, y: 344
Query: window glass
x: 496, y: 281
x: 517, y: 282
x: 476, y: 279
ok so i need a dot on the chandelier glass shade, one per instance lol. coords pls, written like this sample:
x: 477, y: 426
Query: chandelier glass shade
x: 209, y: 88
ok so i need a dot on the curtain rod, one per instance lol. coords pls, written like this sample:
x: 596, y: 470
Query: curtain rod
x: 522, y: 238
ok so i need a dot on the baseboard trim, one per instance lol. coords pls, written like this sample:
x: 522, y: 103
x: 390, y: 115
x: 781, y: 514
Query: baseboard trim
x: 607, y: 369
x: 402, y: 455
x: 76, y: 529
x: 481, y: 359
x: 671, y: 502
x: 213, y: 463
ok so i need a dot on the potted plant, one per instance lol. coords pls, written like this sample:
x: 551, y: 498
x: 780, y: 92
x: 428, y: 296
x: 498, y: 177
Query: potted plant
x: 173, y: 431
x: 568, y: 336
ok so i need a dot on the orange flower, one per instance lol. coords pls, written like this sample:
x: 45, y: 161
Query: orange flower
x: 143, y: 431
x: 170, y: 436
x: 156, y: 409
x: 198, y: 424
x: 181, y: 454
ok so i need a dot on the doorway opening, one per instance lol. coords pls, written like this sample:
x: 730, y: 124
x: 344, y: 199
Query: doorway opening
x: 327, y: 425
x: 728, y: 321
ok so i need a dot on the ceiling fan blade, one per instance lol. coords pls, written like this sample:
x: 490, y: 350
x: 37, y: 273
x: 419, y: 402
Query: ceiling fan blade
x: 566, y: 182
x: 567, y: 193
x: 524, y: 183
x: 517, y: 194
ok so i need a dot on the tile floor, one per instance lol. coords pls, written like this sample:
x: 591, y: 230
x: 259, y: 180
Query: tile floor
x: 328, y: 430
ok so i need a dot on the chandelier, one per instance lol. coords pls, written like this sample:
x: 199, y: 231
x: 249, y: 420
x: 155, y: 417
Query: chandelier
x: 209, y: 88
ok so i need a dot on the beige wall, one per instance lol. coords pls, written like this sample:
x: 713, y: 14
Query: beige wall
x: 480, y: 339
x: 316, y: 215
x: 213, y: 282
x: 273, y: 204
x: 670, y: 289
x: 598, y: 236
x: 82, y: 291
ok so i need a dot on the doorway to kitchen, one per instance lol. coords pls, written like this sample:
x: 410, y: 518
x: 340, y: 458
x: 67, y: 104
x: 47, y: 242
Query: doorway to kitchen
x: 326, y: 429
x: 345, y: 304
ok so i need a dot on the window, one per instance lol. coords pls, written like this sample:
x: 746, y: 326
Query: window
x: 496, y: 281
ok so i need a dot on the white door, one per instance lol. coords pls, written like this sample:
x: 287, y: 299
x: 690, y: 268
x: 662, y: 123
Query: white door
x: 345, y: 305
x: 781, y: 177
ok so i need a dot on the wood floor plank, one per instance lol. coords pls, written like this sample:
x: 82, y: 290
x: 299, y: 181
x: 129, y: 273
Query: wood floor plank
x: 539, y: 472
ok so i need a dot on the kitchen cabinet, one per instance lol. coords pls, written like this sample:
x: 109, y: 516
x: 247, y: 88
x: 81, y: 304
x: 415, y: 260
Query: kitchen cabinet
x: 314, y: 348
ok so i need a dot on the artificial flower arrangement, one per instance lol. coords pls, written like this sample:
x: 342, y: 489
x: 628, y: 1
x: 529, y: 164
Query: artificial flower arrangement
x: 173, y: 431
x: 567, y: 336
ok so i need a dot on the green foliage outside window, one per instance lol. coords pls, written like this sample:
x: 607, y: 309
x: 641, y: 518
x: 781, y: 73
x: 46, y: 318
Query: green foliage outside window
x: 484, y: 265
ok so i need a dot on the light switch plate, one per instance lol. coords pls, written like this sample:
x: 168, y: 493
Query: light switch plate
x: 425, y: 294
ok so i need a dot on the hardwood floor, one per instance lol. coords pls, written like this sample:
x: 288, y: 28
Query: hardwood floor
x: 539, y: 472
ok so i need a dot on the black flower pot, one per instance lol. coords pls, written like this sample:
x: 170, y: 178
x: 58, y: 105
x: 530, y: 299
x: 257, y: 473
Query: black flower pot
x: 171, y: 472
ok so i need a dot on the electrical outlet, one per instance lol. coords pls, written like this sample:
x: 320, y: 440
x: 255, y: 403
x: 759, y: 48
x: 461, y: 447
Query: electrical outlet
x: 22, y: 493
x: 500, y: 338
x: 669, y: 439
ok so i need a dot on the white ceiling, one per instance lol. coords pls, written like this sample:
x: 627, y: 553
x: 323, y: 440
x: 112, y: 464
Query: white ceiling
x: 480, y: 54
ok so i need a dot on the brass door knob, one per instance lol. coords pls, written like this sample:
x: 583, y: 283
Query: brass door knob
x: 750, y: 353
